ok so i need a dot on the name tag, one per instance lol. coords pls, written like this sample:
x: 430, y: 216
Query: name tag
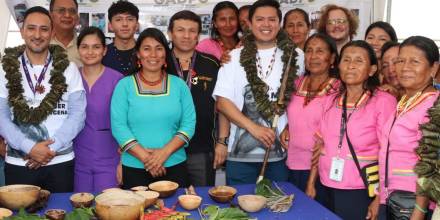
x: 337, y: 169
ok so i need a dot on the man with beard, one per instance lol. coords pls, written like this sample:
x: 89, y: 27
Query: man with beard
x: 42, y: 108
x: 339, y: 23
x: 121, y: 54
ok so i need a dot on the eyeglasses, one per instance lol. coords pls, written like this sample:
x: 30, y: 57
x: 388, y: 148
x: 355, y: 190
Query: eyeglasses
x: 337, y: 21
x: 62, y: 11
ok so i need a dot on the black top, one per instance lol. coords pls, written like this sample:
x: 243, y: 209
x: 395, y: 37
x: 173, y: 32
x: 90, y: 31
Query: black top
x: 206, y: 68
x: 124, y: 61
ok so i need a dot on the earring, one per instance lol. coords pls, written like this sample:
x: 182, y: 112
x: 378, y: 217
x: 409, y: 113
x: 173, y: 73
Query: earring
x: 165, y: 65
x: 139, y: 64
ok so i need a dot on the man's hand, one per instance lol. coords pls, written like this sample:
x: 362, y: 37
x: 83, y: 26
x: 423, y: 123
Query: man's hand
x: 221, y: 152
x: 33, y: 165
x: 41, y: 152
x: 264, y: 134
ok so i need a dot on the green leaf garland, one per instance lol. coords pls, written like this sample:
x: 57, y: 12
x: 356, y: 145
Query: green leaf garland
x: 259, y: 88
x: 21, y: 110
x: 427, y: 168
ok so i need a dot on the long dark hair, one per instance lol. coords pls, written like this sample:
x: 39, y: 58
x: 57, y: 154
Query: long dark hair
x: 218, y: 7
x: 333, y: 71
x: 373, y: 81
x: 157, y: 35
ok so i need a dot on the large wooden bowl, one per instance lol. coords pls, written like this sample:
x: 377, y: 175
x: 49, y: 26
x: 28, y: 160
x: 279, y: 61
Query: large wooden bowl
x: 18, y: 196
x: 222, y: 194
x: 118, y: 205
x: 164, y: 188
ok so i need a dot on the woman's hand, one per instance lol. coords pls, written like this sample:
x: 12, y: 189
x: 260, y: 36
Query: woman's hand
x: 390, y: 89
x: 311, y: 190
x: 157, y: 158
x: 284, y: 138
x: 119, y: 173
x: 226, y: 57
x: 316, y: 151
x: 373, y: 209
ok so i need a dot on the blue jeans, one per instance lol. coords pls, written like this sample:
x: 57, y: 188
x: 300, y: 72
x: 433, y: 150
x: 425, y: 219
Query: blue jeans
x: 248, y: 172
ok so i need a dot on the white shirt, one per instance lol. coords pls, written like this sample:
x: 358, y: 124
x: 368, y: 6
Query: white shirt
x: 233, y: 85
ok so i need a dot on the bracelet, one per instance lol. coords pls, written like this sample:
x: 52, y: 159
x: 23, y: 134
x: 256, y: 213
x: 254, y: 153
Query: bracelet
x: 424, y: 211
x: 222, y: 141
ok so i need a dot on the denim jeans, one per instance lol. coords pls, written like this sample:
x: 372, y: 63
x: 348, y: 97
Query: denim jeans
x: 248, y: 172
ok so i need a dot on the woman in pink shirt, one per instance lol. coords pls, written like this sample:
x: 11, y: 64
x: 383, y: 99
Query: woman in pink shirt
x: 417, y: 63
x: 319, y: 81
x: 224, y: 31
x: 365, y: 109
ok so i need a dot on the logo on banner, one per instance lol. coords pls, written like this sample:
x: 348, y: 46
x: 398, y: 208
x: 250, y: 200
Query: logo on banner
x: 166, y: 2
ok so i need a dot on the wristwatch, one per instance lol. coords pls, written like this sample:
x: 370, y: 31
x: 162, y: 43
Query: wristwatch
x: 222, y: 140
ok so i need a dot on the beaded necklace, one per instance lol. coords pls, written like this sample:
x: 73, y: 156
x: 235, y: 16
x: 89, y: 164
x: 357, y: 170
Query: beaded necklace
x: 269, y: 68
x: 406, y: 103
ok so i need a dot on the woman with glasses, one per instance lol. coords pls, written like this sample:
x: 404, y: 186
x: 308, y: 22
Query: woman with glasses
x: 339, y: 23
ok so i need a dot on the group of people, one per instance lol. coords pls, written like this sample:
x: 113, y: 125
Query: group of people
x: 337, y: 117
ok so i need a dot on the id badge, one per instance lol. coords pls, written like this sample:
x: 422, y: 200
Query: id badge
x: 337, y: 169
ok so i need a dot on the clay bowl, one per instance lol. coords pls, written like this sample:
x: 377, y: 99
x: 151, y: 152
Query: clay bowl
x: 139, y: 188
x: 5, y: 213
x: 190, y: 202
x: 251, y: 203
x: 120, y: 204
x: 81, y: 200
x: 149, y: 196
x: 18, y: 196
x: 55, y: 214
x: 164, y: 188
x: 112, y: 189
x: 222, y: 194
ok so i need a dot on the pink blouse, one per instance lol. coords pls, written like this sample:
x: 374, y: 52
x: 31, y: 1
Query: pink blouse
x: 364, y: 126
x: 210, y: 46
x: 304, y: 123
x: 403, y: 139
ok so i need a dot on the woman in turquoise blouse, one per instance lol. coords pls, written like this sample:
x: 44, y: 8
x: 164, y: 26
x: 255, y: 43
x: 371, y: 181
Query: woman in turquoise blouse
x: 152, y: 117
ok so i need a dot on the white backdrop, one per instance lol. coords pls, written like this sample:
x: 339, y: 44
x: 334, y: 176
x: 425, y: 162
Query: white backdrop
x: 157, y: 12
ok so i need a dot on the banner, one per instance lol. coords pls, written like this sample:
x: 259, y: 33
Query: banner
x: 156, y: 13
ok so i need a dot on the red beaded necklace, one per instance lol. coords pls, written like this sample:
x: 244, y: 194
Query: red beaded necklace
x: 153, y: 83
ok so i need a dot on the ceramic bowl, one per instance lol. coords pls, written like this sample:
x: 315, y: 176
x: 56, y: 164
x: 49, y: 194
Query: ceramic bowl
x: 55, y: 214
x: 164, y: 188
x: 119, y: 204
x: 251, y: 203
x: 139, y: 188
x: 81, y: 200
x: 149, y: 196
x: 112, y: 189
x: 18, y: 196
x: 222, y: 194
x: 5, y: 213
x: 190, y: 202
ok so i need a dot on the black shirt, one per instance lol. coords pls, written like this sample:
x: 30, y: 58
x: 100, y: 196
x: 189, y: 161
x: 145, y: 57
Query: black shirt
x: 124, y: 61
x: 206, y: 67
